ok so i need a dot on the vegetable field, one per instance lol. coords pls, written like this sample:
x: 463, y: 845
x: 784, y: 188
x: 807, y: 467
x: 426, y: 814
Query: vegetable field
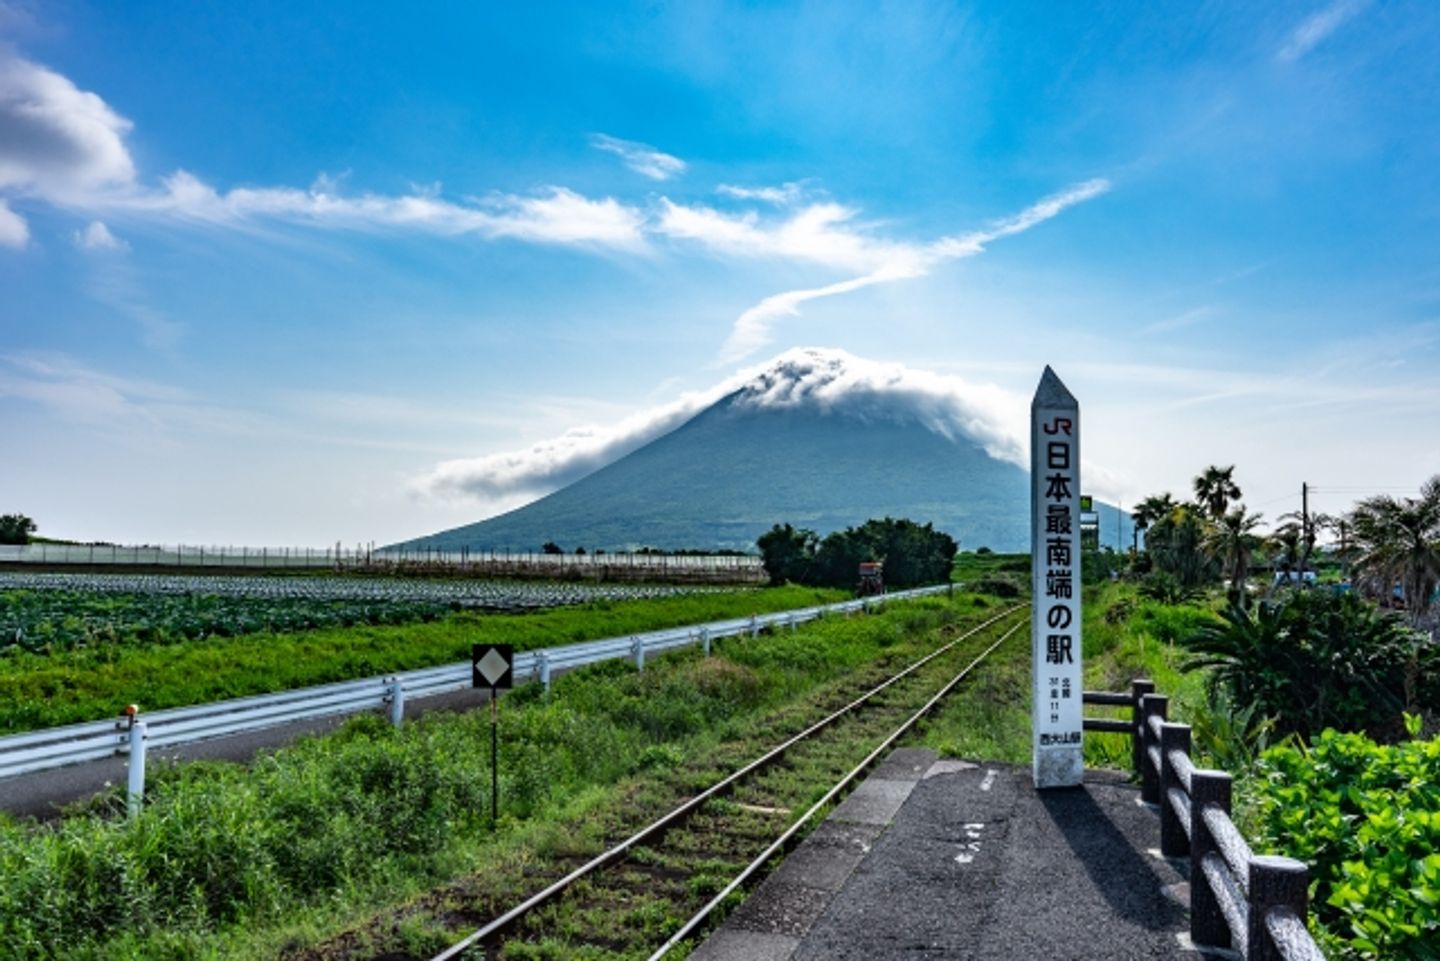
x: 50, y: 613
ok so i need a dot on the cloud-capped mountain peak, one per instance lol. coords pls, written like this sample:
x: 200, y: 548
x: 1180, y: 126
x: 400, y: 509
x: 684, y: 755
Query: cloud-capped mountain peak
x: 824, y: 380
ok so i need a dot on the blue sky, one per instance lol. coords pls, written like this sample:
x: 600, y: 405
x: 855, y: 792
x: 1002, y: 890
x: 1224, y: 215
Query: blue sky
x: 268, y: 270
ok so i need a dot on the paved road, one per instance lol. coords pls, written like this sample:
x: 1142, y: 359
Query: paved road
x: 942, y: 859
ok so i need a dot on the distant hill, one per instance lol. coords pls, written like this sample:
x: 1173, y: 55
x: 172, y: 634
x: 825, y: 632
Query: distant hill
x: 737, y: 468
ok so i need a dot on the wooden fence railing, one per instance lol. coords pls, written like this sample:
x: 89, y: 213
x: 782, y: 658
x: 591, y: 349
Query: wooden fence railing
x: 1255, y: 904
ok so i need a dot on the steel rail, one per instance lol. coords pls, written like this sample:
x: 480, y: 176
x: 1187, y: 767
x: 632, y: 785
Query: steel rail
x: 779, y: 845
x: 35, y: 751
x: 668, y: 820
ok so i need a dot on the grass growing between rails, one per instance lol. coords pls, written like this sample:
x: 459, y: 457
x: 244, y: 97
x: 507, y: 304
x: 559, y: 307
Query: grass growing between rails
x: 229, y: 861
x: 96, y: 682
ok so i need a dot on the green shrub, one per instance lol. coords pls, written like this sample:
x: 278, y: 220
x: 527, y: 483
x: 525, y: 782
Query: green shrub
x: 1312, y: 661
x: 997, y: 585
x: 1366, y: 818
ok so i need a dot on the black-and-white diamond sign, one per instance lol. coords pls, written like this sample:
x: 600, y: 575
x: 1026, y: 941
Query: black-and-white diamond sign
x: 494, y: 665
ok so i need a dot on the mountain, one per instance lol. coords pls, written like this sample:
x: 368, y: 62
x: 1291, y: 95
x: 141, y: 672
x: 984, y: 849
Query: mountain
x: 745, y: 463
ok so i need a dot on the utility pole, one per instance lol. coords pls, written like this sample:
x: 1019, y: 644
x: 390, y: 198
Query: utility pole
x: 1305, y: 522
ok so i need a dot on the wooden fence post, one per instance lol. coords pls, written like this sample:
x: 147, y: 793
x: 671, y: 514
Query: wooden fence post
x: 1174, y: 842
x: 1207, y: 922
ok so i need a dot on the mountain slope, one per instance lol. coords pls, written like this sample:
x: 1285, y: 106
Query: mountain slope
x: 724, y: 477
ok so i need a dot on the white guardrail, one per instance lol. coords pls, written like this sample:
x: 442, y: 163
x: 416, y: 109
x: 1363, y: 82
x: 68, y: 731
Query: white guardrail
x: 77, y: 743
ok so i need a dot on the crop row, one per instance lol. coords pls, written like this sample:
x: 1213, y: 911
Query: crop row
x: 498, y: 595
x: 50, y: 613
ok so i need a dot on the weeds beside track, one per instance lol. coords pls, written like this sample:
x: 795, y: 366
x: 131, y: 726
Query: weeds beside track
x: 624, y: 902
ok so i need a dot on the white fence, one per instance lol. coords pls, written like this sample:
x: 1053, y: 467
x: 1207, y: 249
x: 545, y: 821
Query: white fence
x: 360, y: 558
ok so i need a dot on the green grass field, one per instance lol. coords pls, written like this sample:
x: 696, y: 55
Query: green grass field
x: 94, y: 682
x: 230, y: 861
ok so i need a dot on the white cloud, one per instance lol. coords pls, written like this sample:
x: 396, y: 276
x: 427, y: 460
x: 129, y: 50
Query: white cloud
x: 752, y: 328
x: 827, y: 379
x: 556, y: 215
x: 781, y: 196
x: 66, y: 146
x: 1178, y: 321
x: 80, y: 394
x: 639, y: 157
x: 97, y: 236
x: 54, y: 137
x: 821, y: 233
x: 13, y: 230
x: 1314, y: 29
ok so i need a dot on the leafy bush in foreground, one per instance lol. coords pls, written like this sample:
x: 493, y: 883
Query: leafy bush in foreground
x: 1366, y: 817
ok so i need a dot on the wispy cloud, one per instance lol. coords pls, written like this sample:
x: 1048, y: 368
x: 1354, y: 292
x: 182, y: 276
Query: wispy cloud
x: 14, y: 232
x: 823, y: 233
x: 96, y: 236
x: 79, y: 393
x: 639, y: 157
x: 1179, y: 321
x: 67, y: 147
x: 1313, y: 30
x: 827, y: 379
x: 781, y: 196
x: 555, y: 215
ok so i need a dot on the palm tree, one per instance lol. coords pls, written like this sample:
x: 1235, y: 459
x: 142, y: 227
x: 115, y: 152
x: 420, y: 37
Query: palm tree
x: 1215, y: 489
x: 1151, y: 509
x: 1175, y: 542
x: 1399, y: 541
x: 1231, y: 541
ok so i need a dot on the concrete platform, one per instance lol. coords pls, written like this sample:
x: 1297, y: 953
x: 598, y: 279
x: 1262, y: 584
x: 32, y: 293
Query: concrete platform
x: 932, y: 858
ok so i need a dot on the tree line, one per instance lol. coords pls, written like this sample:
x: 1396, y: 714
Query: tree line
x: 912, y: 554
x: 1384, y: 541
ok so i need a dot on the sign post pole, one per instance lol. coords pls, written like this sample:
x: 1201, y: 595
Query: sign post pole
x: 493, y: 666
x: 1056, y: 725
x: 494, y: 760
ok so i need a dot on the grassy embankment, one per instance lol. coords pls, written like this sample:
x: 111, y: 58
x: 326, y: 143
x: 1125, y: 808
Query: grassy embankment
x: 231, y: 861
x: 85, y: 684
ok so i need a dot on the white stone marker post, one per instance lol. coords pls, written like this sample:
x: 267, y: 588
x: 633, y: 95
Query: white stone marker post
x: 1056, y: 723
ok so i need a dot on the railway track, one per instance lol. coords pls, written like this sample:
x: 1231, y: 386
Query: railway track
x: 658, y: 888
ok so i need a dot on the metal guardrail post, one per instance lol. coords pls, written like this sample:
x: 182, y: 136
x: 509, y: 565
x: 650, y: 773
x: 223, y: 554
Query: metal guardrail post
x: 1151, y: 705
x: 135, y: 782
x: 1207, y: 922
x: 637, y: 647
x: 705, y: 640
x: 543, y: 661
x: 754, y: 626
x: 397, y: 702
x: 1275, y: 882
x: 1138, y: 689
x: 1174, y: 842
